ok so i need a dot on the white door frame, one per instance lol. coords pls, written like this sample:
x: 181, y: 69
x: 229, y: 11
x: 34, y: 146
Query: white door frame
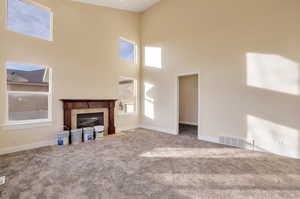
x: 178, y: 104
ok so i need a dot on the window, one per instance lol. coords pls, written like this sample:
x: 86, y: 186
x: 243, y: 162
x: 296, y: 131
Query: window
x: 127, y: 51
x: 153, y: 57
x: 29, y: 19
x: 28, y: 89
x: 127, y: 96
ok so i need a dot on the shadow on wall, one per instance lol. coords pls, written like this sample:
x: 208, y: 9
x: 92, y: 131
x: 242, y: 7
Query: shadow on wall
x: 273, y: 137
x: 280, y: 75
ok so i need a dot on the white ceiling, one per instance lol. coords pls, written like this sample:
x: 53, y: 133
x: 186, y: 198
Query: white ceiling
x: 131, y: 5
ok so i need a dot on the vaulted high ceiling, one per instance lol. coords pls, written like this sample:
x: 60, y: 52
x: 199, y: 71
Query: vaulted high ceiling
x: 131, y: 5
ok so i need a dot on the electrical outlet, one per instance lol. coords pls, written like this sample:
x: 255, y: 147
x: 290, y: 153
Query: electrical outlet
x: 2, y: 180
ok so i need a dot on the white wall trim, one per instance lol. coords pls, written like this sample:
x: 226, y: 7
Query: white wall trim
x: 119, y: 130
x: 188, y: 123
x: 209, y: 139
x: 27, y: 147
x: 45, y: 143
x: 216, y: 141
x: 171, y: 132
x: 168, y: 131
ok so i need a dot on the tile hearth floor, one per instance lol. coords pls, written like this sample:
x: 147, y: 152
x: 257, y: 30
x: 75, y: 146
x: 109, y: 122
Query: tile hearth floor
x: 148, y: 165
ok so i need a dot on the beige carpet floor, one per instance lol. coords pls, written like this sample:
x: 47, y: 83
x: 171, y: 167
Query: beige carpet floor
x: 148, y: 165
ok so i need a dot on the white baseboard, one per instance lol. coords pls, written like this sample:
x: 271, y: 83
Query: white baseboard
x: 119, y: 130
x: 27, y: 147
x: 209, y: 139
x: 188, y: 123
x: 44, y: 143
x: 172, y: 132
x: 216, y: 141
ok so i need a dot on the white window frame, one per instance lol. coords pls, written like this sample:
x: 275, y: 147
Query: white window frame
x: 49, y: 93
x: 135, y: 50
x: 135, y: 82
x: 35, y: 4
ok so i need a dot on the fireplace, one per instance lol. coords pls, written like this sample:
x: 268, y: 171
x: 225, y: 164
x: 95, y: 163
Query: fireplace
x: 90, y: 120
x: 88, y: 113
x: 94, y: 113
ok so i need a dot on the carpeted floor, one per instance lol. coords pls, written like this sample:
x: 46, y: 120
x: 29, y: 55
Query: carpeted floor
x: 148, y: 165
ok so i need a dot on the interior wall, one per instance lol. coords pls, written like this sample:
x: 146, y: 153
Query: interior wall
x: 84, y: 58
x: 188, y: 99
x: 247, y: 54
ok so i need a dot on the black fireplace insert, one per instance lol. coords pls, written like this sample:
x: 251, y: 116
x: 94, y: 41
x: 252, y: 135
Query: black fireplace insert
x: 90, y: 120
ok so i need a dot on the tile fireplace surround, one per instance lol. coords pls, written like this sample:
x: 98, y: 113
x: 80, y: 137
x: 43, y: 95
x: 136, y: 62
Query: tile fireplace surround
x: 72, y: 107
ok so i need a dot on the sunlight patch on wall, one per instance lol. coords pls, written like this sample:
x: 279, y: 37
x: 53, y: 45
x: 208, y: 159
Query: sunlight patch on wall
x: 273, y: 72
x: 273, y: 137
x: 200, y: 153
x: 153, y: 57
x: 149, y: 101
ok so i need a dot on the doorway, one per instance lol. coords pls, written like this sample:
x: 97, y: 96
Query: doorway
x: 188, y: 99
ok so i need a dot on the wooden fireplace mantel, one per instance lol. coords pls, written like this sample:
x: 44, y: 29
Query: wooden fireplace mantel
x: 71, y: 104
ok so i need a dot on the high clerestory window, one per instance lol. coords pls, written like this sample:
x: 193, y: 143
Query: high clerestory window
x: 153, y: 57
x: 128, y: 51
x: 29, y: 18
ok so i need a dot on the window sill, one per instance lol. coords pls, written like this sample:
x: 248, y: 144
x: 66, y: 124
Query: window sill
x: 26, y: 124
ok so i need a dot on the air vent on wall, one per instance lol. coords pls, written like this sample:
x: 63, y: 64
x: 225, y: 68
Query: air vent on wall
x: 234, y: 141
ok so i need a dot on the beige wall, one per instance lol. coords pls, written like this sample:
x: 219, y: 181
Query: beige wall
x: 84, y: 58
x: 188, y: 99
x: 214, y: 37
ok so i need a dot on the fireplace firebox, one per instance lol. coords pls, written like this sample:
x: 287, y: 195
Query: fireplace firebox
x: 90, y: 120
